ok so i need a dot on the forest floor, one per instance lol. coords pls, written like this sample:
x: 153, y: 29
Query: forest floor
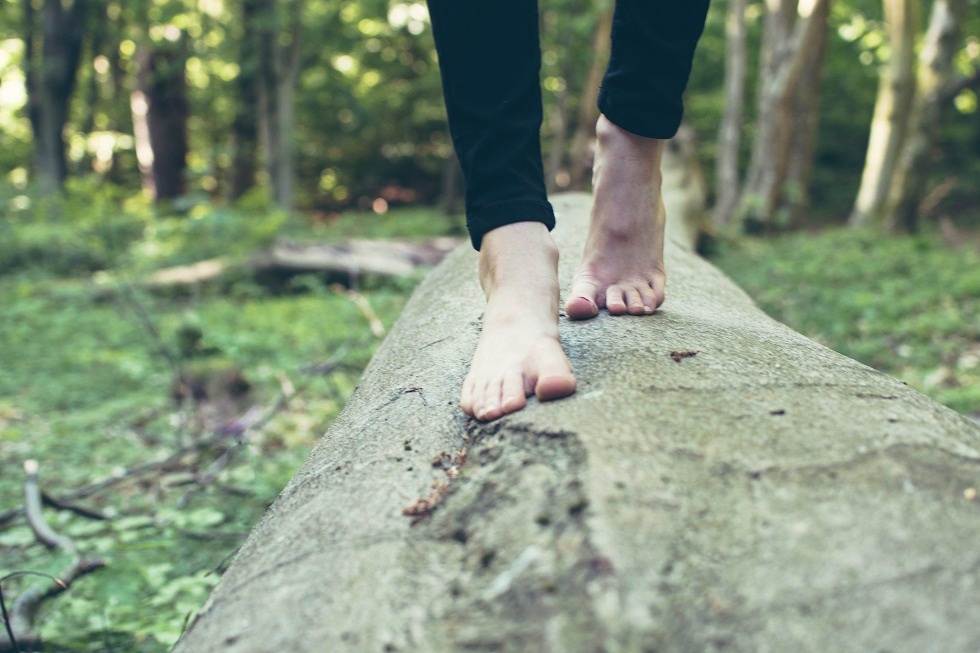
x: 87, y: 390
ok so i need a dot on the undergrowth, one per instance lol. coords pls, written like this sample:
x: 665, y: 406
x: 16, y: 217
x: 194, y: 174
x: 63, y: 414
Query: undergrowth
x: 86, y: 390
x: 906, y: 305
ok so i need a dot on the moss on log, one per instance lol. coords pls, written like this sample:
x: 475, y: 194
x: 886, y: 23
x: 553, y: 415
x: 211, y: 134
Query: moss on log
x: 717, y: 482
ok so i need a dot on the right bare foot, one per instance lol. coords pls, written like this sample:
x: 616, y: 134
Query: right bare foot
x: 519, y: 353
x: 622, y: 268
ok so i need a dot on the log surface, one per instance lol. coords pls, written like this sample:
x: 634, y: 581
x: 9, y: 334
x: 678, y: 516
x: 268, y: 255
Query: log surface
x: 761, y: 494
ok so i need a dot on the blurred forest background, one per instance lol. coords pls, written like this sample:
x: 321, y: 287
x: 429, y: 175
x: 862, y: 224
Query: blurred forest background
x: 162, y: 379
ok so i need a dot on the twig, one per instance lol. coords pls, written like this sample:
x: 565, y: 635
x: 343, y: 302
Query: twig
x: 35, y: 517
x: 58, y: 504
x: 22, y: 614
x: 7, y: 622
x: 361, y: 302
x: 24, y: 609
x: 144, y: 317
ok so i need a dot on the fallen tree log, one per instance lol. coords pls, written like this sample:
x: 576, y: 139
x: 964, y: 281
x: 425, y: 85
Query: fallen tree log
x: 717, y: 482
x: 349, y: 258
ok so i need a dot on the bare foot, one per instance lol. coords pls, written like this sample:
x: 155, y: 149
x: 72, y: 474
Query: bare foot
x: 519, y: 353
x: 622, y: 269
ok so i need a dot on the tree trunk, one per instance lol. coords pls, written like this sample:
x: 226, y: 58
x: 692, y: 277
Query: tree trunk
x: 451, y: 197
x: 161, y: 107
x: 730, y: 131
x: 790, y: 33
x: 729, y: 485
x: 245, y: 126
x: 97, y: 41
x: 889, y: 124
x: 278, y: 74
x: 911, y: 175
x: 556, y: 155
x: 805, y: 119
x: 51, y: 80
x: 580, y: 154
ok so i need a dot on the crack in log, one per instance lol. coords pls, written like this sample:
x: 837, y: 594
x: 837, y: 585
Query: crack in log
x: 539, y: 570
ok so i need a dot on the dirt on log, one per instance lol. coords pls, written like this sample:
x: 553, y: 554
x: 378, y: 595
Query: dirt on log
x: 718, y: 482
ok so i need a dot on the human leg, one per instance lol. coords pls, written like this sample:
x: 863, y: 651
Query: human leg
x: 622, y: 268
x: 493, y: 101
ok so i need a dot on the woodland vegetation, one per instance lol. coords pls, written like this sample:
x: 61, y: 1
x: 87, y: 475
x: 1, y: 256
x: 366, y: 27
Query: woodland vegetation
x: 140, y: 136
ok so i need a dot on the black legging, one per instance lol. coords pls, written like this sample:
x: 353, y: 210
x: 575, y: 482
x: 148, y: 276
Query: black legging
x: 490, y: 60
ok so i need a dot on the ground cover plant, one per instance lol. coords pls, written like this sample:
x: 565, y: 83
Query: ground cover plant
x: 101, y: 377
x: 906, y: 305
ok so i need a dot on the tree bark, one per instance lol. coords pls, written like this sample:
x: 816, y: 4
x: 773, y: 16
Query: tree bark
x: 911, y: 176
x: 580, y: 153
x: 790, y: 34
x: 160, y: 105
x: 820, y: 506
x: 889, y: 124
x: 51, y: 80
x: 730, y: 131
x: 279, y: 68
x: 805, y: 120
x: 559, y: 128
x: 245, y: 127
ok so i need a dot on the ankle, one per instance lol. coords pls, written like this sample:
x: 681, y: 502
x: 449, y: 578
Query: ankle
x: 615, y: 140
x: 517, y: 251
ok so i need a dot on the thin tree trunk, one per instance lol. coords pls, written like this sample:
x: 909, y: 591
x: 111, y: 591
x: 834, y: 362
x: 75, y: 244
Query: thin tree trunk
x: 164, y: 109
x: 730, y: 131
x: 245, y: 126
x: 791, y: 31
x: 278, y: 73
x: 452, y: 195
x: 889, y: 124
x: 97, y: 40
x: 911, y: 175
x: 51, y: 81
x: 805, y: 114
x: 579, y: 154
x: 559, y: 124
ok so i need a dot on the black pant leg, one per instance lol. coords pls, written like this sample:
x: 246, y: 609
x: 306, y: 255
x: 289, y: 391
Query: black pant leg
x: 490, y: 59
x: 653, y: 45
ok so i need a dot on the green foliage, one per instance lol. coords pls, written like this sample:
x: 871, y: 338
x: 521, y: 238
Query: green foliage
x: 908, y: 306
x: 85, y: 390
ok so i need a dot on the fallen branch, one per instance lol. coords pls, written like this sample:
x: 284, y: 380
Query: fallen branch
x: 19, y: 622
x: 350, y: 258
x: 361, y: 302
x: 237, y: 430
x: 35, y: 517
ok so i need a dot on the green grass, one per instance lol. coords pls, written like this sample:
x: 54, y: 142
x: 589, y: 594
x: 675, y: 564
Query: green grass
x: 85, y: 390
x: 909, y: 306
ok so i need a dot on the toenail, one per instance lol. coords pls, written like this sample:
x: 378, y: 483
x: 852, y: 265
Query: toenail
x: 647, y: 309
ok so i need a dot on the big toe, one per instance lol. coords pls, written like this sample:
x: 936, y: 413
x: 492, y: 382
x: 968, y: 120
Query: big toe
x: 581, y: 308
x: 581, y: 303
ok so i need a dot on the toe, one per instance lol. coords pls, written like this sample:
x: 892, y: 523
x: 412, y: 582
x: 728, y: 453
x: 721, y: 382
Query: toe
x: 649, y: 297
x: 555, y: 378
x: 512, y: 396
x: 615, y: 303
x: 466, y: 397
x: 581, y: 303
x: 634, y: 302
x: 491, y: 402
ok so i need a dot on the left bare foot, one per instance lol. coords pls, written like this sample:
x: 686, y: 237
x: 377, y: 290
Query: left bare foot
x: 519, y: 353
x: 622, y: 268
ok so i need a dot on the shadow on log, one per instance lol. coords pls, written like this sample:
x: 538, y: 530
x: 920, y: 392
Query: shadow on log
x: 717, y: 482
